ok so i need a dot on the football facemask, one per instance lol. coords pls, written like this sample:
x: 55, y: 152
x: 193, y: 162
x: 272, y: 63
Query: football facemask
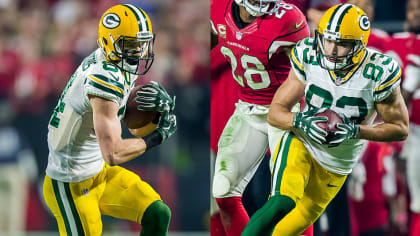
x: 336, y: 62
x: 136, y: 54
x: 260, y: 7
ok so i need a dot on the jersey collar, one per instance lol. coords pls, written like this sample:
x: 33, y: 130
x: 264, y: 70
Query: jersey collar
x: 341, y: 80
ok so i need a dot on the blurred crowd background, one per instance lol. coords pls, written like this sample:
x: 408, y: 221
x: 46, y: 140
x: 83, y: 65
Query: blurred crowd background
x: 41, y: 44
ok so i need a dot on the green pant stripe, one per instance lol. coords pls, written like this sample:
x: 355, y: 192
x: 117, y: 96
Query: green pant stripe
x: 284, y: 153
x: 61, y: 206
x: 76, y: 216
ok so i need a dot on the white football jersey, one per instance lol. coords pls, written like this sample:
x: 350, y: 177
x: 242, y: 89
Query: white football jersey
x: 353, y: 95
x: 74, y: 153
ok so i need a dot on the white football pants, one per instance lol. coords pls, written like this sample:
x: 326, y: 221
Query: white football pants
x: 241, y: 148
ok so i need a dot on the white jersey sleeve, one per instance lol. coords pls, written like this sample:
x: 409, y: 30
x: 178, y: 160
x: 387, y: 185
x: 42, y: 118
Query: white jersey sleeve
x: 299, y: 55
x: 388, y: 75
x: 104, y: 83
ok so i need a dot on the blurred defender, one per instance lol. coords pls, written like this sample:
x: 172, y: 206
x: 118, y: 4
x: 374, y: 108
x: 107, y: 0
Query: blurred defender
x: 83, y: 178
x: 334, y: 70
x: 411, y: 92
x: 255, y: 37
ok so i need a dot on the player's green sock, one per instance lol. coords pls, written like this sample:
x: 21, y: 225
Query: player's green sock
x: 265, y: 219
x: 156, y: 220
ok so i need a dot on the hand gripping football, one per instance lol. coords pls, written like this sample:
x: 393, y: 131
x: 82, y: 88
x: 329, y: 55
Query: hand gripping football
x: 135, y: 118
x: 330, y: 125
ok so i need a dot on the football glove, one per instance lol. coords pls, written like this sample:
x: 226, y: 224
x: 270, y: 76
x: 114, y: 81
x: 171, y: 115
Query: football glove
x: 167, y: 125
x: 307, y: 123
x: 347, y: 130
x: 153, y: 97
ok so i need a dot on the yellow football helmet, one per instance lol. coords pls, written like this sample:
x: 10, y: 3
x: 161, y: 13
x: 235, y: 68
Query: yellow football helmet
x: 126, y: 38
x: 343, y: 23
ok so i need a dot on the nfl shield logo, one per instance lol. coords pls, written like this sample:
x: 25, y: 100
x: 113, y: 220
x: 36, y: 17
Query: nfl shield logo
x: 238, y: 35
x: 338, y: 81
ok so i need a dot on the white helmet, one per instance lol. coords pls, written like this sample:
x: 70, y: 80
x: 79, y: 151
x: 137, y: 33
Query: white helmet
x: 264, y: 7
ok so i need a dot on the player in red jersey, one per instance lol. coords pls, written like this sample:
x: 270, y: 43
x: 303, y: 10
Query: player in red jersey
x: 254, y: 37
x: 223, y: 95
x: 369, y: 199
x: 222, y: 105
x: 406, y: 47
x: 411, y: 92
x: 378, y: 39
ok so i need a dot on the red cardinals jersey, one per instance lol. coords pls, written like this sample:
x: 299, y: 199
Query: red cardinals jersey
x: 372, y: 212
x: 413, y: 58
x: 401, y: 44
x: 223, y: 95
x: 379, y: 40
x: 254, y: 52
x: 406, y: 47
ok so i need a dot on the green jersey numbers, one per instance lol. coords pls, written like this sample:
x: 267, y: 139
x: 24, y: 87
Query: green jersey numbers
x: 309, y: 59
x: 373, y: 72
x: 357, y: 102
x: 91, y: 59
x: 252, y: 66
x: 375, y: 69
x: 322, y: 98
x: 55, y: 121
x: 109, y: 66
x: 316, y: 93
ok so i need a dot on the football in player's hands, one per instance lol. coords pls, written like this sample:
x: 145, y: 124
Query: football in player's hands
x: 135, y: 118
x: 330, y: 125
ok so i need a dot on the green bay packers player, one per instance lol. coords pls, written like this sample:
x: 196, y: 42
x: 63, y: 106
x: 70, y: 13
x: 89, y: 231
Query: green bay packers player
x: 83, y: 179
x: 334, y: 71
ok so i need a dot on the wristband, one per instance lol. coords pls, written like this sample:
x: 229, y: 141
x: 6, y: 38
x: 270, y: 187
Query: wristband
x: 152, y: 139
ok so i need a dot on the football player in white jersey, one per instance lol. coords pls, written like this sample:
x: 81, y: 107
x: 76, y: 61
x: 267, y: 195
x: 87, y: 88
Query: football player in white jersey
x: 83, y: 178
x: 334, y: 71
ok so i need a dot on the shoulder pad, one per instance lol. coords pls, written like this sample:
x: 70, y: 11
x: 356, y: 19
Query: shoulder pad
x: 387, y: 74
x: 105, y: 80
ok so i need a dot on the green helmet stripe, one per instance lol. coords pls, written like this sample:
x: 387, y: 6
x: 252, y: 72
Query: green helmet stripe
x: 337, y: 28
x: 140, y: 20
x: 337, y: 17
x: 332, y: 17
x: 144, y: 18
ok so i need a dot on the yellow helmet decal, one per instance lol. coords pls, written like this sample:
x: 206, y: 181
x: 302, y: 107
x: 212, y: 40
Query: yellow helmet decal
x: 111, y: 21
